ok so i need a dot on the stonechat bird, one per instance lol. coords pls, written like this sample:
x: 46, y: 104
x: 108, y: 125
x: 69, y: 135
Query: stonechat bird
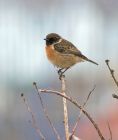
x: 62, y: 53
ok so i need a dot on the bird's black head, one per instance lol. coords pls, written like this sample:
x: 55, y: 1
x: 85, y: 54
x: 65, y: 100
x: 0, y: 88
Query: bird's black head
x: 52, y: 38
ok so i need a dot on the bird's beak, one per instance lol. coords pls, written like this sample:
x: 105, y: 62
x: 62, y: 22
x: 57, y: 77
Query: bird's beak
x: 45, y: 39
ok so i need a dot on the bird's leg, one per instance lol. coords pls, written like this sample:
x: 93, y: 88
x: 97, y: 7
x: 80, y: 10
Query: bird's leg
x: 60, y: 72
x: 65, y: 70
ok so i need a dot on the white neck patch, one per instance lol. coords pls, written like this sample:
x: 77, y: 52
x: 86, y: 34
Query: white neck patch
x: 58, y: 41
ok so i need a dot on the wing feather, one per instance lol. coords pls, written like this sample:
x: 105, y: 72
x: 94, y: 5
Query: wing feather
x: 66, y: 47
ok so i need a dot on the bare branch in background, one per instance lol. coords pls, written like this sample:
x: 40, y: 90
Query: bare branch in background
x: 77, y: 122
x: 46, y: 113
x: 110, y: 132
x: 78, y: 106
x: 33, y: 117
x: 113, y: 76
x: 112, y: 72
x: 90, y: 93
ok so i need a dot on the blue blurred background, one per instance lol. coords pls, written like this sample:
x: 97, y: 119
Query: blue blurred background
x: 92, y: 25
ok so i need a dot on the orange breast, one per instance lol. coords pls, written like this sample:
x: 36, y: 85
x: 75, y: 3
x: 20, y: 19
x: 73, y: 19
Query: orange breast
x: 50, y: 52
x: 61, y: 60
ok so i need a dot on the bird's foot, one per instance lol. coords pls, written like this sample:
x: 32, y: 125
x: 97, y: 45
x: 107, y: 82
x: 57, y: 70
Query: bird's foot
x: 61, y: 73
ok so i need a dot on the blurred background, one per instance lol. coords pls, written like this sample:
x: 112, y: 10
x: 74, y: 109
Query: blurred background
x: 92, y: 25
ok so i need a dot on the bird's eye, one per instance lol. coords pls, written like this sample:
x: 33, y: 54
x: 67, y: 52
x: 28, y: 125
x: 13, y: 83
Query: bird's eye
x: 51, y: 40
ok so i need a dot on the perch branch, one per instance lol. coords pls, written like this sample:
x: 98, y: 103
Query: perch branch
x: 63, y: 86
x: 46, y: 113
x: 33, y: 117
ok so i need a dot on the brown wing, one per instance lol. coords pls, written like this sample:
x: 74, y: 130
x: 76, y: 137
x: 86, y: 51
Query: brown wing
x: 66, y: 47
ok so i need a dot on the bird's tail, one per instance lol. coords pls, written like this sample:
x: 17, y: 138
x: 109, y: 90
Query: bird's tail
x: 91, y: 61
x: 85, y: 58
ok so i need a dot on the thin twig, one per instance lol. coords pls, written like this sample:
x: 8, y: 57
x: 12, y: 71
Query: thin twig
x: 89, y: 95
x: 112, y: 72
x: 33, y: 117
x: 77, y: 122
x: 115, y: 96
x: 73, y: 137
x: 63, y: 86
x: 78, y: 106
x: 110, y: 132
x: 113, y: 76
x: 46, y: 113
